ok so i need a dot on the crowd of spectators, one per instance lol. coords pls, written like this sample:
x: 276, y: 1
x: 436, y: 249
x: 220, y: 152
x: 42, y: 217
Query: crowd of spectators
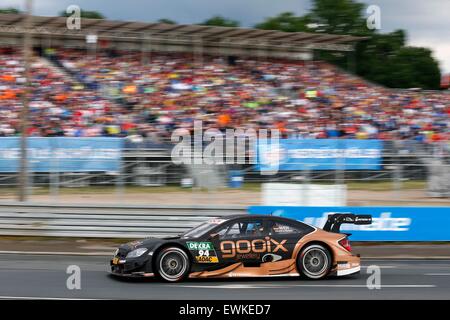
x: 58, y: 106
x: 120, y: 94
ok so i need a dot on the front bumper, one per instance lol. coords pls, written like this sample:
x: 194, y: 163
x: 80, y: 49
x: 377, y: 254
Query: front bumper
x: 135, y: 267
x: 132, y: 275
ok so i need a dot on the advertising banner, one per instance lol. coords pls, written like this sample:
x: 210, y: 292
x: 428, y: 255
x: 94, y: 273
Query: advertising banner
x: 62, y: 154
x: 389, y: 223
x: 318, y: 154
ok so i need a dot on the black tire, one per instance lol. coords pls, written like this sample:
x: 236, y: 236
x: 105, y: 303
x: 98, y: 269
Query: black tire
x: 172, y: 264
x: 314, y: 262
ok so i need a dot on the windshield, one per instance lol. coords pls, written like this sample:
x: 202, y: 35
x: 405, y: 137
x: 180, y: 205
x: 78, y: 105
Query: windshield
x: 202, y: 229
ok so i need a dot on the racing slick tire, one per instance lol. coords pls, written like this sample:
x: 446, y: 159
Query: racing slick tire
x: 314, y: 262
x: 172, y: 264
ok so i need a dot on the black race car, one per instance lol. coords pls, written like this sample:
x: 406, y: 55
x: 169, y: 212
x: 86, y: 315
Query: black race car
x: 244, y: 246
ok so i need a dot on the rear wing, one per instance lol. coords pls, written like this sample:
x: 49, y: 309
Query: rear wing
x: 334, y: 221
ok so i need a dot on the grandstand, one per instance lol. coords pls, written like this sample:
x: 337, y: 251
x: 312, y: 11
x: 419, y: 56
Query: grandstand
x: 149, y: 79
x: 141, y: 36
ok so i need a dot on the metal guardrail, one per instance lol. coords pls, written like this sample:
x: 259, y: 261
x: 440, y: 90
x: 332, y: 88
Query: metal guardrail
x: 104, y: 221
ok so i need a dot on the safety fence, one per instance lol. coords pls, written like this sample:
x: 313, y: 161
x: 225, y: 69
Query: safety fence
x: 104, y: 221
x: 55, y: 163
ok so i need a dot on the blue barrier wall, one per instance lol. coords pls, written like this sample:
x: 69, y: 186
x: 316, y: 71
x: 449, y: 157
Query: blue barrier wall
x: 63, y: 154
x: 389, y: 223
x: 318, y: 154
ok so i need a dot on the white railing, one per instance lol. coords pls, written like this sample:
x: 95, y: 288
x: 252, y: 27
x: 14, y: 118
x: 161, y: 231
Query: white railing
x: 104, y: 221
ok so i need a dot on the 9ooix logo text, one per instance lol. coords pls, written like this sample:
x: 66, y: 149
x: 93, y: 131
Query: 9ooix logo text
x: 229, y: 249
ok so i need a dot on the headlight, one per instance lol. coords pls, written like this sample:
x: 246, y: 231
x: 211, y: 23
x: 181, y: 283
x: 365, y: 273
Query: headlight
x: 136, y: 253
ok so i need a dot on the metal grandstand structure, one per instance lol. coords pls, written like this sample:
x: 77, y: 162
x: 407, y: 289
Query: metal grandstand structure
x: 144, y: 36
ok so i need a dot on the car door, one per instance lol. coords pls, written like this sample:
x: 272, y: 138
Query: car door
x: 242, y: 240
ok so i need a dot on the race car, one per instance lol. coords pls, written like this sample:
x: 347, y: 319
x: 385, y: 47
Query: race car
x: 244, y: 246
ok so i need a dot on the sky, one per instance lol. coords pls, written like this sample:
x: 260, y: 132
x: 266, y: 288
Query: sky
x: 427, y: 22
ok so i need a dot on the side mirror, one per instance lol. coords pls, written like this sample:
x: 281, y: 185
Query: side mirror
x: 213, y: 236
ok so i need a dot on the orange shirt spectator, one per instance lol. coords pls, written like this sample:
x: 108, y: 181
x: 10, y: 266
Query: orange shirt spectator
x: 223, y: 119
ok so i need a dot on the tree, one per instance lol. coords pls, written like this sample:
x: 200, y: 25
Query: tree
x: 221, y: 22
x: 168, y: 21
x: 381, y: 58
x: 338, y: 16
x: 372, y: 55
x: 10, y: 10
x: 285, y: 21
x: 85, y: 14
x: 385, y: 59
x: 414, y: 67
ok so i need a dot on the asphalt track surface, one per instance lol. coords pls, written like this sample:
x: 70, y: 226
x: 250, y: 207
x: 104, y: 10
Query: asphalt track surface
x: 45, y: 277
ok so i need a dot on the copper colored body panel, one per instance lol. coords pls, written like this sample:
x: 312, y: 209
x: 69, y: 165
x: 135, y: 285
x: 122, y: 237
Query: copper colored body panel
x: 342, y: 260
x: 277, y: 268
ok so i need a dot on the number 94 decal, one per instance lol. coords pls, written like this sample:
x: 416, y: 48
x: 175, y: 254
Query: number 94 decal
x: 203, y: 251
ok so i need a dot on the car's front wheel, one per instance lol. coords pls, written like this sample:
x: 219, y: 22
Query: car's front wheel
x: 314, y: 261
x: 172, y: 264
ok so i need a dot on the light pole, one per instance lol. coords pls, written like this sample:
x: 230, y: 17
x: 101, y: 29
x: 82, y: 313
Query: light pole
x: 23, y: 175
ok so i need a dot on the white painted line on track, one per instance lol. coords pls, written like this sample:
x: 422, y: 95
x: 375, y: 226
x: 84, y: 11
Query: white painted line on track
x: 437, y: 274
x: 365, y: 286
x: 382, y: 267
x: 275, y: 286
x: 41, y: 298
x: 233, y: 286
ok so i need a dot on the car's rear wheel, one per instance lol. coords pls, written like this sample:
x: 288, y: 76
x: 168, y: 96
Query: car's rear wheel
x: 314, y: 262
x: 172, y: 264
